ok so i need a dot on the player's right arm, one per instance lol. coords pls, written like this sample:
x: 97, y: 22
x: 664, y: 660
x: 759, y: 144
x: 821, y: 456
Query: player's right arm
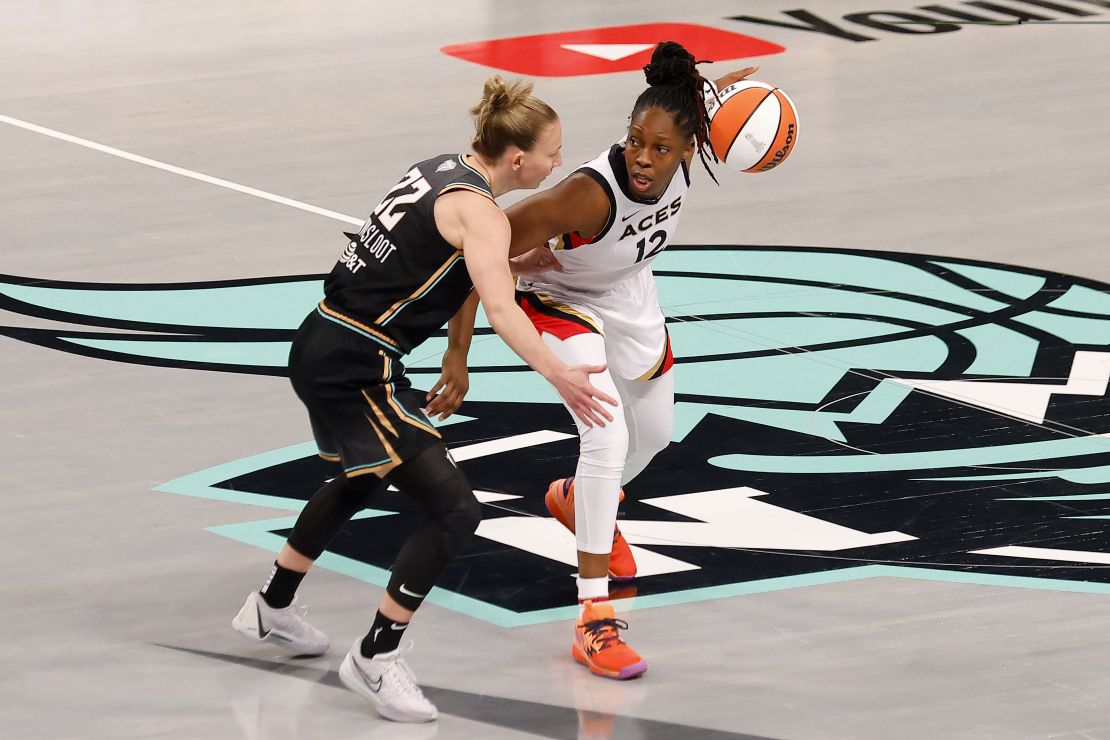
x: 474, y: 224
x: 576, y: 203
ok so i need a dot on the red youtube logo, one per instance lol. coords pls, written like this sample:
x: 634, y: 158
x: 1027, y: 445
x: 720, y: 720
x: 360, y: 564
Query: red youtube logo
x: 601, y: 50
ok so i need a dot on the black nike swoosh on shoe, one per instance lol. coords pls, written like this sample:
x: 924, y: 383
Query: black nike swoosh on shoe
x: 261, y: 631
x: 369, y: 681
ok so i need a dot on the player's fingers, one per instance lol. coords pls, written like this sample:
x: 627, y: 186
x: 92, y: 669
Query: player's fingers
x: 602, y: 396
x: 436, y: 388
x: 601, y: 409
x: 451, y: 403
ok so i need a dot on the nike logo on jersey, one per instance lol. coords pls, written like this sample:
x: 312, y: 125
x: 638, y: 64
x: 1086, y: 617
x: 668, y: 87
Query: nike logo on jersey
x: 631, y: 215
x: 656, y: 217
x: 411, y: 593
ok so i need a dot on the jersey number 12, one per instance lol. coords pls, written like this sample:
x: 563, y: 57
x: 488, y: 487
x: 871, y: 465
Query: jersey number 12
x: 658, y: 240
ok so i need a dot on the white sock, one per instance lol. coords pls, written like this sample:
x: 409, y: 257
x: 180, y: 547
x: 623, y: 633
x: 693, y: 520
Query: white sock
x: 592, y: 589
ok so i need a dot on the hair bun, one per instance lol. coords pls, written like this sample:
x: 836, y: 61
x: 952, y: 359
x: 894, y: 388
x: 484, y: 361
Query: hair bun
x: 508, y: 113
x: 497, y: 96
x: 670, y: 64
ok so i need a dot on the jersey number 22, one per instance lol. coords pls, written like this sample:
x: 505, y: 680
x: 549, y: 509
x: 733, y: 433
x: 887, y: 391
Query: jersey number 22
x: 388, y: 211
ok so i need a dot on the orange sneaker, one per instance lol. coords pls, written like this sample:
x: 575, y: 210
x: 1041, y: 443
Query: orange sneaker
x: 560, y: 502
x: 599, y: 647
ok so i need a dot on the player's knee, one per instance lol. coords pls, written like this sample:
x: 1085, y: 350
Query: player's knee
x: 460, y: 521
x: 446, y: 496
x: 328, y: 510
x: 605, y: 448
x: 653, y: 440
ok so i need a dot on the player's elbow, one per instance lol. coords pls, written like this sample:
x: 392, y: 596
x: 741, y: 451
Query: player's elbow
x: 498, y: 310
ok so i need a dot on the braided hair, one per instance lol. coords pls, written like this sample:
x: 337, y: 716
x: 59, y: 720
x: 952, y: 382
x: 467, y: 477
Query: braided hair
x: 676, y: 86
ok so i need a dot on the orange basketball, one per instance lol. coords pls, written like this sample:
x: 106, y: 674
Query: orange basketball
x: 753, y: 127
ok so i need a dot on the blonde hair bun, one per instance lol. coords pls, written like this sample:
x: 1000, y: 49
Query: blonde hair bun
x: 507, y: 114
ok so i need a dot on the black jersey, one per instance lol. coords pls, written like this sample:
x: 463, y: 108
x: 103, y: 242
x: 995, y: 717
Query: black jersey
x: 399, y: 280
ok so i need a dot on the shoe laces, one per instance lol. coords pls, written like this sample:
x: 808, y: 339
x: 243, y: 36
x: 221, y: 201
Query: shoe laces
x: 300, y: 624
x: 605, y: 632
x: 404, y: 678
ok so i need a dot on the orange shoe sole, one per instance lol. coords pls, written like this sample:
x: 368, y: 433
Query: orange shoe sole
x: 629, y: 671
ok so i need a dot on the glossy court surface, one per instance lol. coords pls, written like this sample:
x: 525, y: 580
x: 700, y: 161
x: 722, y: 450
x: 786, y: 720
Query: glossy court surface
x: 885, y: 509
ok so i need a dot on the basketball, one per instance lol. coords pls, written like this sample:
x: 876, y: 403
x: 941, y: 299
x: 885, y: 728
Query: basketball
x: 753, y: 126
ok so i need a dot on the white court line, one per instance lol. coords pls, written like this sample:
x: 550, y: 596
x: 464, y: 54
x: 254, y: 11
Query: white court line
x: 179, y: 170
x: 497, y: 446
x: 516, y: 442
x: 1045, y: 553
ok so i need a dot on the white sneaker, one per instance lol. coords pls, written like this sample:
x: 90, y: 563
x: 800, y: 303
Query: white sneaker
x: 389, y: 684
x: 286, y: 627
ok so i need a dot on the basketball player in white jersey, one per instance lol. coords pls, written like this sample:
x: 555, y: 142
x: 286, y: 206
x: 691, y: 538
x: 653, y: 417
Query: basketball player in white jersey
x: 610, y: 219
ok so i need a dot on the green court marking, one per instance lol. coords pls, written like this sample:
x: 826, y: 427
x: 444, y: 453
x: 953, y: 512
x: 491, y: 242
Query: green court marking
x: 267, y: 306
x: 928, y: 460
x: 264, y: 354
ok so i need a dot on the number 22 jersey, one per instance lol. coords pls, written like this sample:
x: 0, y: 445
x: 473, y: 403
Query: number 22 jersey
x: 399, y: 281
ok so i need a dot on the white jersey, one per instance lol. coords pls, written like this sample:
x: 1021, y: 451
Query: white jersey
x: 606, y: 286
x: 636, y: 232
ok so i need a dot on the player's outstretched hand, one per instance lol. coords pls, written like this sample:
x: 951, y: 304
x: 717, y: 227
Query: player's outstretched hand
x: 573, y: 384
x: 736, y: 76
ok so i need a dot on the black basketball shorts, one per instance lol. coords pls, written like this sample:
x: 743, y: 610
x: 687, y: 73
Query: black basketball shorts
x: 363, y: 410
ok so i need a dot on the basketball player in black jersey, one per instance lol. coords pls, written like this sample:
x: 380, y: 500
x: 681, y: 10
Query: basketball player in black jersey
x: 398, y: 280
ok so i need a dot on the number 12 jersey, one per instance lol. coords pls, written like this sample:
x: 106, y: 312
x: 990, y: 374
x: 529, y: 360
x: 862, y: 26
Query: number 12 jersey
x: 636, y: 232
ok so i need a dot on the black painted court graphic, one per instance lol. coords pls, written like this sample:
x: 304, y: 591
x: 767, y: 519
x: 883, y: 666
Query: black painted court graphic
x: 840, y: 414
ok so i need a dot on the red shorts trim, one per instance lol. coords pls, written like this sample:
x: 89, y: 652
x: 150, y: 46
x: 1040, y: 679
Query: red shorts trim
x: 551, y: 320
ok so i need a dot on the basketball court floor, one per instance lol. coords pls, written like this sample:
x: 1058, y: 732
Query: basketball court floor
x: 886, y: 509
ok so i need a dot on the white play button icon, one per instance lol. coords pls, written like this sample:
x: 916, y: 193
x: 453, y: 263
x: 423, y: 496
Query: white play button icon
x: 612, y: 52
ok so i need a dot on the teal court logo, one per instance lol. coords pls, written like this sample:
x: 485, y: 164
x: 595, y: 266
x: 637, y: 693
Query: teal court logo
x: 840, y: 414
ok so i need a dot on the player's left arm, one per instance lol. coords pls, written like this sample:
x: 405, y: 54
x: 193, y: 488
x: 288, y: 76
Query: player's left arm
x: 720, y: 84
x: 736, y: 76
